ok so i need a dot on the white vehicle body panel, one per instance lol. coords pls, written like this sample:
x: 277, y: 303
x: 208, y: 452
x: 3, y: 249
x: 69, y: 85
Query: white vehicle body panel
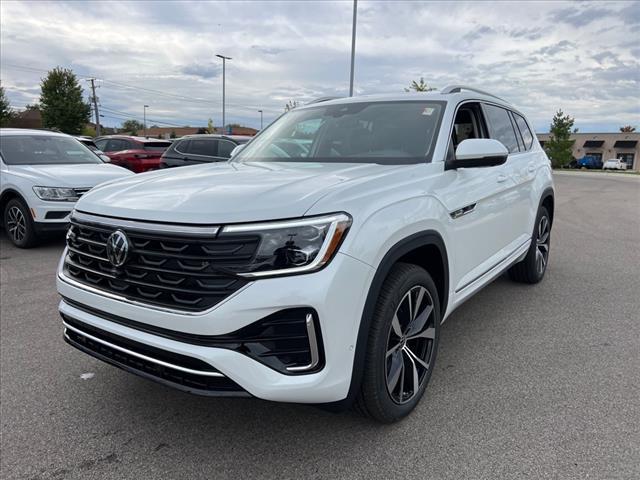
x: 388, y: 204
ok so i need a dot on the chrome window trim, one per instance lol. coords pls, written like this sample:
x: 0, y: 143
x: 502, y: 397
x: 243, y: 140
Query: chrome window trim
x: 139, y: 355
x: 145, y: 226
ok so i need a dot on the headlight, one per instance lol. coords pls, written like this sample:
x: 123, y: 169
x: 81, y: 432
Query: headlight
x: 292, y: 246
x: 56, y: 194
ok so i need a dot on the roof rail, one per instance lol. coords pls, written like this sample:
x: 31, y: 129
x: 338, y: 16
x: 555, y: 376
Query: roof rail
x: 458, y: 88
x: 321, y: 99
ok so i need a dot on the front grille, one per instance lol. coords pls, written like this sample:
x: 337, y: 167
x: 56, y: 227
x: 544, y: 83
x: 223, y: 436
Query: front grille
x: 177, y: 271
x: 193, y: 382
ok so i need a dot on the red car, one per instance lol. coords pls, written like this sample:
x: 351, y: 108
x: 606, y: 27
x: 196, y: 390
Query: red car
x: 138, y: 154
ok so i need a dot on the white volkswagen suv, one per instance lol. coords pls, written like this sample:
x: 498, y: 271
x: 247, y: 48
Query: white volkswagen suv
x: 318, y: 264
x: 42, y: 174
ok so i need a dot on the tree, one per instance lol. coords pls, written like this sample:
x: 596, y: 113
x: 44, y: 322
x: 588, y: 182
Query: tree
x: 210, y: 127
x: 291, y: 104
x: 89, y: 131
x: 6, y: 112
x: 61, y: 102
x: 132, y: 126
x: 420, y: 86
x: 173, y: 134
x: 201, y: 130
x: 559, y: 145
x: 627, y: 129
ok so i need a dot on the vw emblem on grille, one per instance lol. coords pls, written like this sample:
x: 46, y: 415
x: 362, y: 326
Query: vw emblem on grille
x: 117, y: 248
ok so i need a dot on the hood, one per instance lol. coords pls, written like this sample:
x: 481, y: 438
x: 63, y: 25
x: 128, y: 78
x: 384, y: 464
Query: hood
x: 224, y: 192
x: 70, y: 175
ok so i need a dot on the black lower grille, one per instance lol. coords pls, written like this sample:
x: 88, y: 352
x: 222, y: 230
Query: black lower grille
x: 191, y: 382
x: 167, y: 270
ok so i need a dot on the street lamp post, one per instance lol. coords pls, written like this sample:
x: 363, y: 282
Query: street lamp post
x: 145, y: 119
x: 353, y: 46
x: 260, y: 119
x: 224, y: 60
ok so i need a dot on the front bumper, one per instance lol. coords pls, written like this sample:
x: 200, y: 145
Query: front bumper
x: 337, y: 293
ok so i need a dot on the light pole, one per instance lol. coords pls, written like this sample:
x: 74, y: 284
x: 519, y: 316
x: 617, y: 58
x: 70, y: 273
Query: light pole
x: 353, y: 45
x: 260, y: 119
x: 224, y: 60
x: 145, y: 119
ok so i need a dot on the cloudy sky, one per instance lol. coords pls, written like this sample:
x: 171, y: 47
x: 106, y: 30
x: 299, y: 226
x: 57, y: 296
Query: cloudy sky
x: 583, y: 57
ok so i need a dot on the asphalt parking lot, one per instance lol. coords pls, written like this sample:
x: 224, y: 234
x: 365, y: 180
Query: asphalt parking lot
x: 531, y: 381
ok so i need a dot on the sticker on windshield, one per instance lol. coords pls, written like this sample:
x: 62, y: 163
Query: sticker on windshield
x: 428, y: 111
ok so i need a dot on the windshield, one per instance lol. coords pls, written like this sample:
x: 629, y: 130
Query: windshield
x: 398, y: 132
x: 44, y: 149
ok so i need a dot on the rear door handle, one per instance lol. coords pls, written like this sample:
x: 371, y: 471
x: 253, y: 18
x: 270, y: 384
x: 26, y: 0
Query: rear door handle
x: 531, y: 167
x: 502, y: 178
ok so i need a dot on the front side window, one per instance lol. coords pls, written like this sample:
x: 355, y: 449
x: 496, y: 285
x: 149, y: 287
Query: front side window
x: 207, y: 148
x: 117, y: 145
x: 44, y: 150
x: 500, y: 127
x: 395, y: 132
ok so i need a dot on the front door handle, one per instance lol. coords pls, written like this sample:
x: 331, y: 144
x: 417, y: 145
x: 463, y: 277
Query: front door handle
x: 502, y: 178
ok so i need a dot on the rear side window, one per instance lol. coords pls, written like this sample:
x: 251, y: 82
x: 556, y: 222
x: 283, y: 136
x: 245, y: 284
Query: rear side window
x: 527, y: 136
x: 117, y: 145
x: 201, y: 146
x: 101, y: 144
x: 500, y: 127
x: 225, y: 147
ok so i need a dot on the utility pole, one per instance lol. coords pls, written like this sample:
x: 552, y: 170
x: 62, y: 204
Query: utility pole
x: 260, y: 119
x: 94, y: 99
x: 224, y: 59
x: 353, y: 45
x: 145, y: 119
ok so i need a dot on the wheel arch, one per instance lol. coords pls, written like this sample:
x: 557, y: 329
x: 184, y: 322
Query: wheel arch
x: 547, y: 200
x: 425, y: 249
x: 7, y: 195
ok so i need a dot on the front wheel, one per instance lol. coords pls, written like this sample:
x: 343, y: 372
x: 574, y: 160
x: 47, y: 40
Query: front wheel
x: 533, y: 267
x: 19, y: 224
x: 402, y: 345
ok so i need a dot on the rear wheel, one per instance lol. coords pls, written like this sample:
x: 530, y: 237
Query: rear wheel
x: 402, y: 345
x: 19, y: 224
x: 533, y: 267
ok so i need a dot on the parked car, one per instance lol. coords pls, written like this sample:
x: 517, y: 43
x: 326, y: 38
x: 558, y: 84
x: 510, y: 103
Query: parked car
x: 589, y: 162
x: 138, y: 154
x: 318, y: 264
x: 43, y: 174
x: 88, y: 142
x: 195, y: 149
x: 614, y: 164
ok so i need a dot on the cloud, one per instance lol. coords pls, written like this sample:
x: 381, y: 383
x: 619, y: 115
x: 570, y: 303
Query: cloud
x: 539, y: 55
x: 554, y: 49
x: 202, y: 70
x: 579, y: 16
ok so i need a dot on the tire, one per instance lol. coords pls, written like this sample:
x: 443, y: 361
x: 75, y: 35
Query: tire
x: 533, y: 267
x: 19, y: 224
x: 383, y: 394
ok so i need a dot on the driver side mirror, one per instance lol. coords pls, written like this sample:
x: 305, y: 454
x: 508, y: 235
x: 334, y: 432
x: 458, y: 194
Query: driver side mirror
x: 237, y: 150
x: 478, y: 152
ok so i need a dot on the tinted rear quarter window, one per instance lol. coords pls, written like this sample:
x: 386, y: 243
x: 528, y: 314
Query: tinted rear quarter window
x: 225, y: 147
x: 500, y: 127
x: 527, y: 136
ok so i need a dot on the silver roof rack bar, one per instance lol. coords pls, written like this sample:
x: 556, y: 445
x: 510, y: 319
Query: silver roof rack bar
x: 458, y: 88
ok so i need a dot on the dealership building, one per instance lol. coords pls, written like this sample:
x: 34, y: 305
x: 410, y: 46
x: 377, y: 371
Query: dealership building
x: 604, y: 146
